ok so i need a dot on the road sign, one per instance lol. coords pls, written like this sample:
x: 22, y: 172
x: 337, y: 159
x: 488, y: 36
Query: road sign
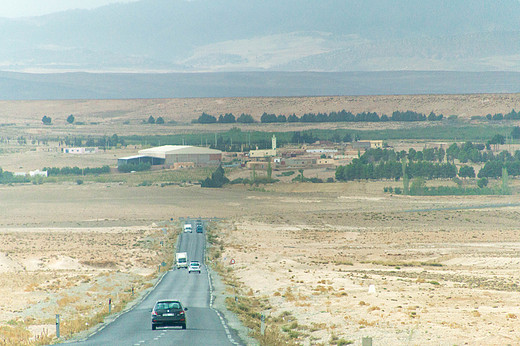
x: 232, y: 261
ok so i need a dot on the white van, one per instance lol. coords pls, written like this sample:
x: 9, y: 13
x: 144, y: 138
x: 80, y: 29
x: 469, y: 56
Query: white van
x: 181, y: 260
x: 187, y: 228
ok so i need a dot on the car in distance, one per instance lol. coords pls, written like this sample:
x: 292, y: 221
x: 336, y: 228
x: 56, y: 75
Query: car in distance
x: 187, y: 228
x: 199, y: 228
x: 194, y: 267
x: 168, y: 312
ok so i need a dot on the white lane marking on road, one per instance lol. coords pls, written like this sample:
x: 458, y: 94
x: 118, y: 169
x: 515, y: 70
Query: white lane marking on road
x: 226, y: 329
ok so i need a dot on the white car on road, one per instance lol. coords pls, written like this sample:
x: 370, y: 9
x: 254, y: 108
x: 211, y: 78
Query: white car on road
x: 194, y: 267
x: 187, y: 228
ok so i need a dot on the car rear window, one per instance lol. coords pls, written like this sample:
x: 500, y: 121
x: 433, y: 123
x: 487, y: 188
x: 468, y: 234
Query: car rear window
x: 167, y: 305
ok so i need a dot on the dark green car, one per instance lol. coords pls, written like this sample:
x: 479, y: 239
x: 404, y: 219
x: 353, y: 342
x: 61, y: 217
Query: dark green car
x: 168, y: 313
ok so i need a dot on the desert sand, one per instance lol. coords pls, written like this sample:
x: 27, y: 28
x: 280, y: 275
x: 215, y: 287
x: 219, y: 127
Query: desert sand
x: 350, y: 262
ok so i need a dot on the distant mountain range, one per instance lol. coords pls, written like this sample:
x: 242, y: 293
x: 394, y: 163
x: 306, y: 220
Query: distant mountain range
x: 268, y: 35
x: 55, y: 86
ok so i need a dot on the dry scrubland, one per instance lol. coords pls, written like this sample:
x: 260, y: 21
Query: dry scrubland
x: 445, y: 269
x: 122, y: 115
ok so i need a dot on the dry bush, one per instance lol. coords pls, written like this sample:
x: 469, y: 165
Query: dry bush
x: 365, y: 323
x: 14, y: 335
x: 43, y: 338
x: 67, y: 300
x: 317, y: 326
x: 289, y: 295
x: 31, y: 287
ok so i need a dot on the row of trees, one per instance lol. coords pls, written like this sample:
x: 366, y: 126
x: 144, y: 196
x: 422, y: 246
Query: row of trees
x: 7, y: 177
x: 394, y: 170
x: 387, y: 163
x: 54, y: 171
x: 513, y: 115
x: 127, y: 168
x: 100, y: 142
x: 48, y: 120
x: 152, y: 120
x: 466, y: 152
x: 342, y: 116
x: 358, y: 169
x: 227, y: 118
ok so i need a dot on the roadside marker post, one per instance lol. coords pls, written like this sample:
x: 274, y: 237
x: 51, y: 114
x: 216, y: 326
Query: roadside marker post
x: 109, y: 305
x: 58, y: 326
x: 262, y: 324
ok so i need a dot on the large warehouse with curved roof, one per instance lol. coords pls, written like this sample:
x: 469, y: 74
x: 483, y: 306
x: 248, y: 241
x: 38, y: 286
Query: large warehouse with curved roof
x: 169, y: 155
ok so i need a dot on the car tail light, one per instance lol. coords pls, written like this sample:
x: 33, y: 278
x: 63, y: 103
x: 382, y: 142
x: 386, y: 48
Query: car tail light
x: 181, y: 313
x: 154, y: 313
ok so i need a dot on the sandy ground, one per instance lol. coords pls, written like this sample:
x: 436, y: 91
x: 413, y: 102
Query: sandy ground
x: 135, y: 111
x: 444, y: 270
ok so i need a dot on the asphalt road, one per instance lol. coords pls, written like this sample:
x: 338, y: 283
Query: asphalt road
x: 204, y: 325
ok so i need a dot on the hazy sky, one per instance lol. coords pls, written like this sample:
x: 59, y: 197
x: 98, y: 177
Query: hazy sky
x: 27, y: 8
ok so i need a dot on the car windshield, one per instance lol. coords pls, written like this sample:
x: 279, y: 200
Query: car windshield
x: 167, y: 305
x: 194, y: 263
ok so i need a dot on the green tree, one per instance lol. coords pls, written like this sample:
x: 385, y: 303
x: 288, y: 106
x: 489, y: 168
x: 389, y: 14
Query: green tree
x: 516, y: 132
x: 302, y: 178
x: 245, y: 119
x: 293, y: 118
x: 151, y: 120
x: 482, y: 182
x: 70, y: 119
x: 505, y: 181
x: 218, y: 179
x: 159, y: 121
x: 268, y: 118
x: 497, y: 139
x: 406, y: 180
x: 46, y: 120
x: 466, y: 172
x: 206, y: 119
x: 418, y: 186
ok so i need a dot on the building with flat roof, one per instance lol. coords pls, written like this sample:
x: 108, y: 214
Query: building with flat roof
x: 172, y: 154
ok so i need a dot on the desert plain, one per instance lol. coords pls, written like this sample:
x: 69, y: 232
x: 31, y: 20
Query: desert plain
x: 335, y: 262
